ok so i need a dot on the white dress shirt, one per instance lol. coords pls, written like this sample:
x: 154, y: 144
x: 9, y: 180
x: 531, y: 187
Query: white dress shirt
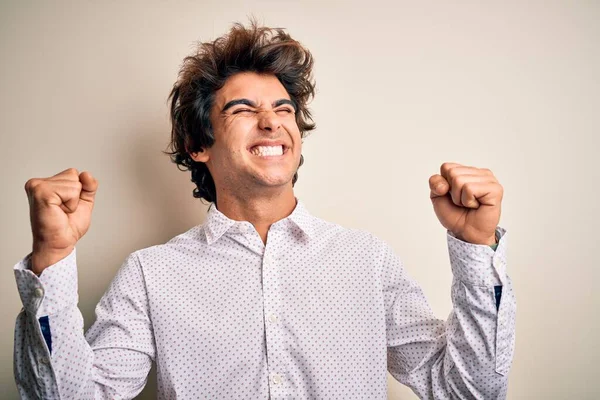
x: 319, y: 312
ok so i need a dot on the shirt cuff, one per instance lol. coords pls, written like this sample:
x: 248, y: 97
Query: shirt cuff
x: 54, y: 290
x: 478, y: 264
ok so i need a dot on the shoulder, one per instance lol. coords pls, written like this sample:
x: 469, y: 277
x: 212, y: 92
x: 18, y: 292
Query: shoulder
x: 183, y: 243
x: 350, y: 238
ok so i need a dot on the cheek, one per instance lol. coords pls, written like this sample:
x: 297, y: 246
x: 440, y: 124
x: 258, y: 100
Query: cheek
x: 241, y: 123
x: 224, y: 152
x: 234, y: 137
x: 293, y: 130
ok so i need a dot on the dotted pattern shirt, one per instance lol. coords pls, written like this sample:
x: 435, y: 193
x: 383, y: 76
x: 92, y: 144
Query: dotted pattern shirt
x: 319, y: 312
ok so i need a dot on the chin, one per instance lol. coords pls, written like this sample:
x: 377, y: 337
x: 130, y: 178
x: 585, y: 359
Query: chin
x: 274, y: 180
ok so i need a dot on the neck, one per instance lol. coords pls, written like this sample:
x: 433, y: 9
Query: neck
x: 261, y: 212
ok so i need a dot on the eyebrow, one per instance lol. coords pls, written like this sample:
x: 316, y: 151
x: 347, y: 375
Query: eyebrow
x: 250, y: 103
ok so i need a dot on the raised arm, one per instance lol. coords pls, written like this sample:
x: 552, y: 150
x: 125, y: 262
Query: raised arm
x: 52, y: 357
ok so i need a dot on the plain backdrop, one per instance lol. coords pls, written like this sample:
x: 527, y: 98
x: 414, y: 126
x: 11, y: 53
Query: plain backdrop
x: 401, y: 88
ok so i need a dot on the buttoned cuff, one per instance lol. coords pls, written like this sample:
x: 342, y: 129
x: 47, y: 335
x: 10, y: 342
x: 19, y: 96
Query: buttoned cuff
x: 478, y: 264
x: 54, y: 290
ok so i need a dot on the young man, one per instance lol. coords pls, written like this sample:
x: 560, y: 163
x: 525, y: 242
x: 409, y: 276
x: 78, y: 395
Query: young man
x: 263, y: 300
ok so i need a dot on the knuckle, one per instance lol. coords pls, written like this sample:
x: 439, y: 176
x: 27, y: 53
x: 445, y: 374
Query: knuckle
x: 447, y: 166
x: 459, y: 180
x: 452, y: 173
x: 30, y: 184
x: 37, y: 192
x: 72, y: 171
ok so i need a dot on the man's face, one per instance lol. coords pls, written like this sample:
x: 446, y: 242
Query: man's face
x: 257, y: 141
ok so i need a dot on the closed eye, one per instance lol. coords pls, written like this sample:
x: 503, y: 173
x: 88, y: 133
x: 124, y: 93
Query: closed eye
x: 242, y: 110
x: 287, y: 110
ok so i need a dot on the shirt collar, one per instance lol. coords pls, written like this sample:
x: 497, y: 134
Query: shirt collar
x: 302, y: 219
x: 217, y: 223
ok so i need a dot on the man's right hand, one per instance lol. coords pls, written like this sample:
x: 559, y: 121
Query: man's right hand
x: 60, y: 209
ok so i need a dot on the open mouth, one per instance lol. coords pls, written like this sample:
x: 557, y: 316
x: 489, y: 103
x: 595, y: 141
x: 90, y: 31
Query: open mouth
x: 268, y: 151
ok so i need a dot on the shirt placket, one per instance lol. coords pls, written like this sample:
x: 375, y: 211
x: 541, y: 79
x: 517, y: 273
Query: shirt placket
x: 272, y: 317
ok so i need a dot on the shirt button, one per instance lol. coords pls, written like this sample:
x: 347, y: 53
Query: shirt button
x: 38, y: 292
x: 243, y: 229
x: 45, y: 360
x: 273, y: 318
x: 276, y: 379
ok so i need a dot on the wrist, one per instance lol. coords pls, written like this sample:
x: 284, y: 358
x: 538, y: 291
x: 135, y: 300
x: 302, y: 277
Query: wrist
x: 489, y: 241
x: 42, y: 258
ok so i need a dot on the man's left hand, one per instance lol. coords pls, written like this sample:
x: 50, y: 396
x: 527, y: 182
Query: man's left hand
x: 467, y: 202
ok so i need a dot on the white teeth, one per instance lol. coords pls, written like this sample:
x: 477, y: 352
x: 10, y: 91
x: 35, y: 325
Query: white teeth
x: 267, y: 151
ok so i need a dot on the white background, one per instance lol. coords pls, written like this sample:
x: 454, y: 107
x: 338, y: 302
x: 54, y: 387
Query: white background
x: 401, y: 88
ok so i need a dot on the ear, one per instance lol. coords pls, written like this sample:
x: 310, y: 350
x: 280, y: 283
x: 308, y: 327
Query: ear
x: 200, y: 156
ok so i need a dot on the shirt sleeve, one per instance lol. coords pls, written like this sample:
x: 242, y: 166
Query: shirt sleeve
x: 111, y: 360
x: 468, y: 355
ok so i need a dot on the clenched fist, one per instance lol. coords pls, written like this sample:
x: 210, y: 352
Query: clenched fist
x: 467, y: 201
x: 60, y: 209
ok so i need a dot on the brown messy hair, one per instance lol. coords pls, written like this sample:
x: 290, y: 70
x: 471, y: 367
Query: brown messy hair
x: 243, y: 49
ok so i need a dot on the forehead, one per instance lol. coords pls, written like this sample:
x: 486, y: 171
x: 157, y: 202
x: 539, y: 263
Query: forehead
x: 251, y: 86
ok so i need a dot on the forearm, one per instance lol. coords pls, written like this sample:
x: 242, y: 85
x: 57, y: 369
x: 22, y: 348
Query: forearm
x: 480, y: 341
x: 63, y: 373
x: 469, y: 355
x: 52, y: 358
x: 481, y: 327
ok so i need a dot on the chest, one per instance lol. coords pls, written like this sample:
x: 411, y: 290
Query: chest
x: 238, y: 291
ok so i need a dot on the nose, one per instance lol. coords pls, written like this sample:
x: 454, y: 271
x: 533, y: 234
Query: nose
x: 269, y: 121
